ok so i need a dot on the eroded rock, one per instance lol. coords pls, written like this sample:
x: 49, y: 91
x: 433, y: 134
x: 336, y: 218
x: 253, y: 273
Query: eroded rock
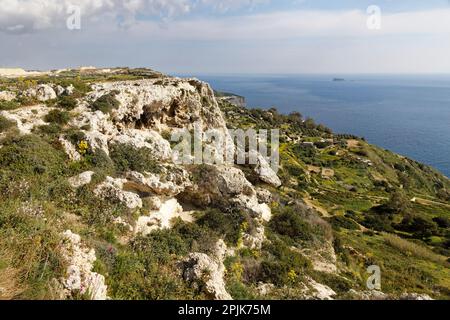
x: 80, y: 280
x: 112, y: 189
x: 209, y: 270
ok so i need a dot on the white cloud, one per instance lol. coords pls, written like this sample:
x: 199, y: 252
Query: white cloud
x: 299, y: 24
x: 30, y: 15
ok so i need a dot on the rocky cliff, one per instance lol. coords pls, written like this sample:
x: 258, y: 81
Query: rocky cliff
x: 94, y: 204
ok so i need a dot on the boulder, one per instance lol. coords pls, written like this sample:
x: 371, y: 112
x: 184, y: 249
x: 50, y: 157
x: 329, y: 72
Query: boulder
x: 59, y: 90
x: 415, y: 296
x: 266, y: 173
x: 81, y: 179
x: 45, y: 92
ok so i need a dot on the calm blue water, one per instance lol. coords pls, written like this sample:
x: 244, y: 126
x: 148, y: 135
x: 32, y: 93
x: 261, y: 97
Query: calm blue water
x: 406, y: 114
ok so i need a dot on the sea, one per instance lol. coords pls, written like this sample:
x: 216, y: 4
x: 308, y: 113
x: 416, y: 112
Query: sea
x: 409, y: 115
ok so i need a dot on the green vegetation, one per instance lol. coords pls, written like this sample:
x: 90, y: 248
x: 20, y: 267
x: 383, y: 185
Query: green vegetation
x: 6, y: 124
x: 58, y: 117
x: 106, y: 103
x: 372, y: 207
x: 370, y: 192
x: 127, y: 158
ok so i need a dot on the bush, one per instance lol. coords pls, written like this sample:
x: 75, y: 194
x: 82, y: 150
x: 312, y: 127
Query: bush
x: 148, y: 271
x: 282, y: 266
x: 128, y: 158
x: 289, y: 223
x: 399, y: 202
x: 28, y: 155
x: 106, y: 103
x: 67, y: 102
x: 227, y: 225
x: 419, y: 227
x: 9, y: 105
x: 52, y: 129
x: 339, y: 222
x: 57, y: 116
x: 6, y: 124
x: 378, y: 222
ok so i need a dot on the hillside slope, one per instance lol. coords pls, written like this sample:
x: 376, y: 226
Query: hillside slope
x: 93, y: 205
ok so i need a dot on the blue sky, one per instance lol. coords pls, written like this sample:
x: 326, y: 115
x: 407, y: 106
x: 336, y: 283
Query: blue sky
x: 229, y: 36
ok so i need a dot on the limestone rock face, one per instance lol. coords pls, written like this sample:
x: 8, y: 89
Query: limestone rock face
x: 44, y: 93
x: 218, y: 184
x: 171, y: 181
x: 80, y: 279
x: 149, y: 139
x: 70, y: 149
x: 160, y: 219
x: 7, y: 96
x: 112, y: 189
x: 163, y: 103
x: 224, y: 186
x: 264, y: 195
x: 208, y: 269
x: 81, y: 180
x: 27, y: 118
x: 319, y: 291
x: 256, y: 240
x: 266, y: 173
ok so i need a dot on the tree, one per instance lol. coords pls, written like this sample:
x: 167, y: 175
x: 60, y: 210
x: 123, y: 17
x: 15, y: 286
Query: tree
x: 398, y: 203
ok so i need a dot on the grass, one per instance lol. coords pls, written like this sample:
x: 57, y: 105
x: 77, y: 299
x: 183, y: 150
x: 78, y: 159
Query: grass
x: 410, y: 248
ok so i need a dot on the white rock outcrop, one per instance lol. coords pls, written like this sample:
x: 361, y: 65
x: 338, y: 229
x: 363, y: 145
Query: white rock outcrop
x: 81, y: 180
x: 42, y: 92
x: 69, y: 149
x: 208, y: 269
x: 225, y: 186
x: 159, y: 219
x: 170, y: 181
x: 266, y: 173
x: 80, y: 279
x: 27, y: 118
x: 112, y: 189
x: 319, y: 291
x: 7, y: 96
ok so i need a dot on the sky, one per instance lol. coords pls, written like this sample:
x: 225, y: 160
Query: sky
x: 229, y: 36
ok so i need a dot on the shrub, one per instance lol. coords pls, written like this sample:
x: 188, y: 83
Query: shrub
x: 281, y: 264
x: 289, y: 223
x: 421, y: 228
x: 52, y: 129
x: 67, y: 102
x: 9, y: 105
x: 148, y: 271
x: 6, y: 124
x: 442, y: 222
x: 57, y: 116
x: 339, y: 222
x: 378, y: 222
x: 227, y: 225
x: 25, y: 155
x: 129, y: 158
x: 399, y: 202
x: 106, y: 103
